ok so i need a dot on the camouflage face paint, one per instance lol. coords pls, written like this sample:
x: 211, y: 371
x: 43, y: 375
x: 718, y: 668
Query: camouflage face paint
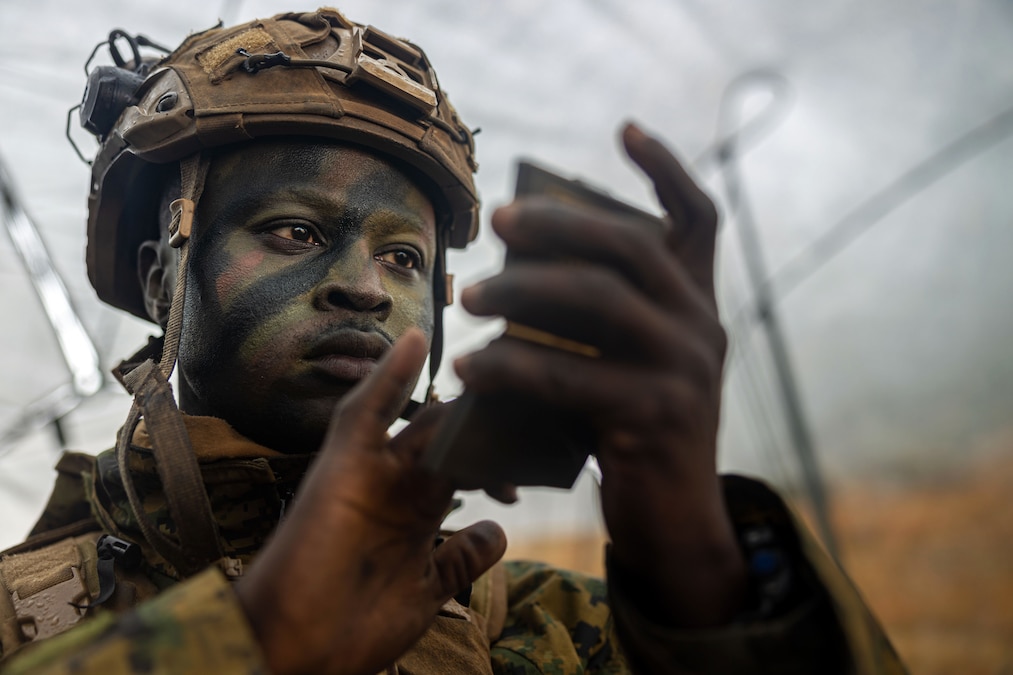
x: 308, y: 261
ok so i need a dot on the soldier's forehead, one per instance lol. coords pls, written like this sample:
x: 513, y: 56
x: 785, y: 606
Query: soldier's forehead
x: 308, y: 151
x: 272, y: 162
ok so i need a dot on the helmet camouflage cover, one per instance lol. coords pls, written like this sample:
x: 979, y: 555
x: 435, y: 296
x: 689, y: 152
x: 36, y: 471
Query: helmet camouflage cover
x: 297, y: 74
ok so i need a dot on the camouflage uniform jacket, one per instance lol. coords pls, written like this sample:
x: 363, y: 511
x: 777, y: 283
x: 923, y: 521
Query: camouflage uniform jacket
x: 519, y: 618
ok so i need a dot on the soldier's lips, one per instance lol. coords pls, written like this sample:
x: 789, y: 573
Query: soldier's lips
x: 347, y: 355
x: 341, y: 367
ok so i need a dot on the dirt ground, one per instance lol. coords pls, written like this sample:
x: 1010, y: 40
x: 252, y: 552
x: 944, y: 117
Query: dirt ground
x: 933, y: 559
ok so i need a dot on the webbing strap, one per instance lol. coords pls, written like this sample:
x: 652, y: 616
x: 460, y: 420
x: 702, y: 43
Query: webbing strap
x: 149, y: 352
x: 198, y: 544
x: 193, y: 170
x: 442, y: 296
x: 435, y: 355
x: 188, y: 503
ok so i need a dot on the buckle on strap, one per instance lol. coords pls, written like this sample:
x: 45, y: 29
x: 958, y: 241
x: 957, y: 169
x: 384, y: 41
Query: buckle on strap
x: 181, y: 224
x: 110, y: 551
x: 51, y: 610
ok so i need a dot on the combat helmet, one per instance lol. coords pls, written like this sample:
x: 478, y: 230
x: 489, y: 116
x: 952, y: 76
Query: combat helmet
x: 296, y: 74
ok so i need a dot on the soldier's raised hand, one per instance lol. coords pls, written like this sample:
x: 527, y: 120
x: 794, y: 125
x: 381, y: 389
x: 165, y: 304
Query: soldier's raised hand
x: 352, y: 577
x: 646, y: 302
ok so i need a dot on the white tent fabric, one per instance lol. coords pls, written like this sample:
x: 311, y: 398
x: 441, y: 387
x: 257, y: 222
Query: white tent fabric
x: 899, y: 339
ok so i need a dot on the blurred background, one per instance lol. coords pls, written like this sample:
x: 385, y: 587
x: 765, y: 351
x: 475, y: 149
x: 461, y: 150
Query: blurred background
x: 861, y: 154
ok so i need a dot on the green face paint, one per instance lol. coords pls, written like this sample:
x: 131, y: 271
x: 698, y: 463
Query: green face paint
x: 308, y: 262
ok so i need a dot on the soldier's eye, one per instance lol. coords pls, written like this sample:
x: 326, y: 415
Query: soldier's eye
x: 297, y: 232
x: 401, y: 257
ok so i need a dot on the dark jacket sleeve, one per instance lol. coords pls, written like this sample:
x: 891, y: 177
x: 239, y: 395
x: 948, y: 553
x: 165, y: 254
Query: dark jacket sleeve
x: 824, y: 626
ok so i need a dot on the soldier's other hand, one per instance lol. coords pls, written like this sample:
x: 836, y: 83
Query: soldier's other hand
x: 645, y: 300
x: 352, y: 577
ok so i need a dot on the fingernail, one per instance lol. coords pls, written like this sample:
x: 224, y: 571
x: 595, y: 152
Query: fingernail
x: 633, y: 128
x: 462, y: 364
x: 471, y: 293
x: 504, y: 217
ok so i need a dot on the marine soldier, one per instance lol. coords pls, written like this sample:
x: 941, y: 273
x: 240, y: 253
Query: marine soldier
x: 287, y: 191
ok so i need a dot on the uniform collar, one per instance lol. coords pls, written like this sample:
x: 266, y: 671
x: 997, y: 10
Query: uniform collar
x: 248, y: 484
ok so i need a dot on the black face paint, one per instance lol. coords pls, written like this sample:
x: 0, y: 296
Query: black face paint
x: 308, y: 259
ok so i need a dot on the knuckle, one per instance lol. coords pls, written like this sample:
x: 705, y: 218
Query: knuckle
x: 711, y: 367
x: 719, y: 341
x: 601, y: 285
x: 636, y: 244
x: 657, y: 404
x: 554, y: 381
x: 705, y: 210
x: 701, y: 361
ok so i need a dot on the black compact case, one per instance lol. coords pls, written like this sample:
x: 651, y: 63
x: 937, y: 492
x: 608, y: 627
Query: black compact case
x: 488, y: 440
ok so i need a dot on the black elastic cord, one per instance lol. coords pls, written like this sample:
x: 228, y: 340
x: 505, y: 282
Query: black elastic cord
x: 73, y: 143
x: 254, y: 63
x: 110, y: 551
x: 114, y: 51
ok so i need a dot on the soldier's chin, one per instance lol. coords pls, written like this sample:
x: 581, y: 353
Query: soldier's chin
x: 299, y: 425
x: 288, y: 428
x: 290, y: 439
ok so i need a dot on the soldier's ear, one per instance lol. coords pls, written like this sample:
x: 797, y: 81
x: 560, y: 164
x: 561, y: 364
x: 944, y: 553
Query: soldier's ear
x: 157, y: 275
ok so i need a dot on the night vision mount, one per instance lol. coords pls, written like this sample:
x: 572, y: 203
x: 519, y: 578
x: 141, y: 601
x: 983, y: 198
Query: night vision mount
x: 110, y: 89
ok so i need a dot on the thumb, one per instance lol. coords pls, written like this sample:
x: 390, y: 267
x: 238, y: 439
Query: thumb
x: 462, y: 558
x: 692, y: 214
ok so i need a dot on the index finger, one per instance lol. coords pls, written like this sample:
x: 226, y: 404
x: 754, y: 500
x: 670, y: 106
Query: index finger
x: 365, y: 413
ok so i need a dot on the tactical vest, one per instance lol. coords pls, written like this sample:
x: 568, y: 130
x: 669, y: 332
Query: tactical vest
x: 48, y: 583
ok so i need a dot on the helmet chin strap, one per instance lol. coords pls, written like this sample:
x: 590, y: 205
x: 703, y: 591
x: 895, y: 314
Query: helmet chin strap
x: 197, y: 543
x: 443, y: 295
x: 435, y: 356
x: 193, y: 171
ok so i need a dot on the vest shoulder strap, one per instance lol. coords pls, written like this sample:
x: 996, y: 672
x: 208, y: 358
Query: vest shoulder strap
x: 68, y: 502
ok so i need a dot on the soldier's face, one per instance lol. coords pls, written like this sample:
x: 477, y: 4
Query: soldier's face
x: 308, y: 262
